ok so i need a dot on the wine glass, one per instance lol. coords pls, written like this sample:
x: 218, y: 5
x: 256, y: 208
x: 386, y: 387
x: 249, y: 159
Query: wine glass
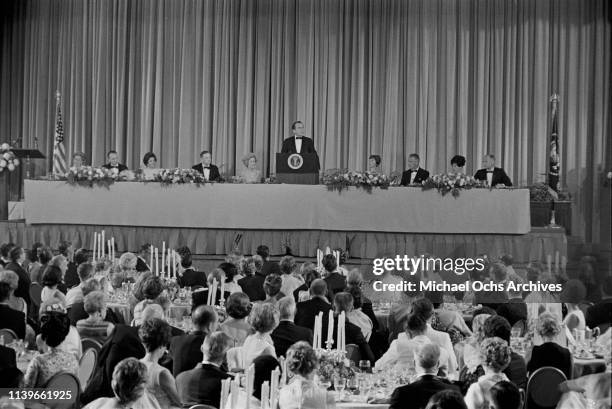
x: 339, y: 385
x: 364, y: 365
x: 352, y: 384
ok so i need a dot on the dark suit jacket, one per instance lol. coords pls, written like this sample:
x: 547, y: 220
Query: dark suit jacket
x: 367, y: 309
x: 185, y: 351
x: 516, y: 371
x: 420, y: 177
x: 550, y: 354
x: 307, y: 147
x: 296, y: 292
x: 23, y: 286
x: 514, y: 311
x: 336, y: 283
x: 287, y: 334
x: 141, y: 265
x: 417, y: 394
x: 201, y: 385
x: 214, y: 175
x: 253, y: 287
x: 499, y: 177
x: 71, y: 278
x: 13, y: 319
x: 270, y: 267
x: 7, y: 357
x: 353, y: 336
x: 192, y: 278
x: 600, y: 313
x: 119, y: 166
x: 77, y: 312
x: 308, y: 310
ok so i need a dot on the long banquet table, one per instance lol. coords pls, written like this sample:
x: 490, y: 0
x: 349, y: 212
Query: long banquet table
x: 278, y: 206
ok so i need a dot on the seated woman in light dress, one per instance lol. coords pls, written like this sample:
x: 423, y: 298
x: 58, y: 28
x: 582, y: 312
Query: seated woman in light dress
x: 302, y: 392
x: 150, y: 168
x: 78, y: 160
x: 236, y: 325
x: 495, y: 357
x: 250, y: 173
x: 264, y: 318
x: 374, y: 164
x: 574, y: 292
x: 129, y: 386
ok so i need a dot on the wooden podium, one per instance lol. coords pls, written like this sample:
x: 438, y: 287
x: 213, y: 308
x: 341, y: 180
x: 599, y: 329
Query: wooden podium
x: 297, y: 168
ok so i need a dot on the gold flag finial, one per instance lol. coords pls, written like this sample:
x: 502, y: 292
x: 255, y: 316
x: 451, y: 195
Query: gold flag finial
x: 57, y: 95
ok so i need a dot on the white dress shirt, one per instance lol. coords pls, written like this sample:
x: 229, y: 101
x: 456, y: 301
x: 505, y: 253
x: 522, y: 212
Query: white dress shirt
x: 206, y: 172
x: 298, y: 145
x: 489, y: 177
x: 413, y: 174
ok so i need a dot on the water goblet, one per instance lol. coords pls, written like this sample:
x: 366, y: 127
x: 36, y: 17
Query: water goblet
x: 339, y: 385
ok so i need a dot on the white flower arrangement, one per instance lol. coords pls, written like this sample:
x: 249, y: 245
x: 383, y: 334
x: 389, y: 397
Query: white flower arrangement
x: 8, y: 160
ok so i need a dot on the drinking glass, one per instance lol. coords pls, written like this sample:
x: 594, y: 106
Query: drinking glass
x: 352, y: 384
x: 364, y: 365
x: 339, y: 384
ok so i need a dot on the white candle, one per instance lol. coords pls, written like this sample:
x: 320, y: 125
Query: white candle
x: 265, y: 395
x: 214, y: 291
x: 249, y: 385
x: 174, y: 263
x: 330, y: 330
x: 283, y: 363
x: 163, y: 255
x: 274, y: 388
x: 222, y: 290
x: 549, y: 262
x: 556, y: 261
x: 103, y: 241
x: 113, y: 248
x: 156, y: 262
x: 234, y: 394
x: 209, y: 297
x: 315, y: 336
x: 563, y: 263
x: 100, y: 246
x: 225, y: 388
x: 151, y: 257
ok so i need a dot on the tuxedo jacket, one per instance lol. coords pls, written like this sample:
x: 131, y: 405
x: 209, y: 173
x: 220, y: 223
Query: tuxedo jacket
x: 253, y: 287
x: 71, y: 278
x: 336, y: 283
x: 214, y: 175
x: 7, y: 357
x: 306, y: 311
x: 421, y: 176
x: 14, y: 320
x: 270, y: 267
x: 23, y: 285
x: 600, y: 313
x: 77, y: 312
x: 201, y: 385
x: 307, y: 147
x: 499, y: 177
x: 141, y: 264
x: 287, y: 334
x: 186, y: 352
x: 120, y: 167
x: 514, y: 310
x: 417, y: 394
x: 192, y: 278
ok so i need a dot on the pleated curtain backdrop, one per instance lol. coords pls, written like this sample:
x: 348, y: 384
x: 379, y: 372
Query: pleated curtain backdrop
x: 392, y: 77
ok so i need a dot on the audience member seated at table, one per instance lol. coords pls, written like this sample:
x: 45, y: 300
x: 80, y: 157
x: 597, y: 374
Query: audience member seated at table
x: 355, y: 279
x: 77, y: 312
x: 494, y: 299
x: 468, y: 352
x: 51, y: 279
x: 72, y: 343
x: 32, y: 257
x: 287, y: 333
x: 301, y: 391
x: 344, y: 302
x: 250, y: 173
x: 264, y: 365
x: 203, y: 383
x: 572, y: 295
x: 44, y: 257
x: 129, y: 381
x: 113, y: 162
x: 70, y: 277
x: 540, y: 301
x: 491, y: 175
x: 150, y: 168
x: 402, y: 350
x: 549, y: 353
x: 495, y: 357
x: 516, y: 371
x: 515, y: 309
x: 272, y: 288
x: 269, y: 267
x: 414, y: 175
x: 253, y: 281
x: 601, y: 312
x: 231, y: 277
x: 425, y: 309
x: 505, y: 395
x: 186, y: 350
x: 4, y: 254
x: 85, y: 271
x: 288, y: 268
x: 336, y: 282
x: 16, y: 303
x: 309, y: 273
x: 427, y: 382
x: 236, y: 326
x: 94, y: 326
x: 263, y: 319
x: 152, y: 289
x: 155, y: 336
x: 137, y: 294
x: 587, y: 392
x: 16, y: 257
x: 200, y: 296
x: 187, y: 275
x: 356, y: 316
x: 306, y: 311
x: 11, y: 318
x: 447, y: 399
x: 8, y: 358
x: 54, y: 327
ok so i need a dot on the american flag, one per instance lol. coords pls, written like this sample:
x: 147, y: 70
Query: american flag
x: 59, y: 152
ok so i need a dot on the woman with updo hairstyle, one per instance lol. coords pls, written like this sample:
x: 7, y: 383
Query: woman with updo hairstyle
x: 54, y: 327
x: 236, y: 326
x: 263, y: 319
x: 495, y: 356
x: 51, y: 279
x: 374, y: 162
x: 129, y: 386
x: 150, y: 168
x: 250, y: 173
x: 549, y: 353
x: 272, y: 287
x: 152, y: 289
x: 302, y: 361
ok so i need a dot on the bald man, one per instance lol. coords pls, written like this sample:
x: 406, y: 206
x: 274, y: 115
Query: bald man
x: 492, y: 175
x: 308, y: 310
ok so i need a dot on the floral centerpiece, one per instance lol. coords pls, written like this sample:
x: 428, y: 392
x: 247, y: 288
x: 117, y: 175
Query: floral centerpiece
x: 451, y: 183
x: 179, y: 176
x: 8, y: 160
x: 541, y: 192
x: 90, y: 176
x: 333, y: 363
x: 340, y: 179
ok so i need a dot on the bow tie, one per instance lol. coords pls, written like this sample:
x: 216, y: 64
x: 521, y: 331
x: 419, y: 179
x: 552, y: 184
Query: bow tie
x: 299, y: 137
x: 489, y: 171
x: 206, y: 167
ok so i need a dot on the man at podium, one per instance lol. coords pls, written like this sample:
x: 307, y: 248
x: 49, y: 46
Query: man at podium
x: 298, y: 143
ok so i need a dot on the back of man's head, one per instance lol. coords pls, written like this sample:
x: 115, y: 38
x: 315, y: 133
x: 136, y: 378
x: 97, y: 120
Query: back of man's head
x: 427, y: 358
x: 263, y: 251
x: 204, y: 318
x: 85, y: 271
x: 505, y: 395
x: 152, y: 310
x: 415, y: 325
x: 286, y: 306
x: 318, y: 288
x: 215, y: 346
x: 497, y: 326
x: 423, y: 307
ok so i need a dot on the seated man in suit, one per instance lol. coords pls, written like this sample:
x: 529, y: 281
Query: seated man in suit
x: 298, y: 143
x: 188, y: 276
x: 269, y: 267
x: 601, y: 313
x: 417, y: 394
x: 308, y: 310
x: 343, y: 302
x: 113, y: 162
x: 143, y: 255
x: 335, y: 281
x: 71, y: 277
x: 7, y: 357
x: 85, y: 271
x: 415, y: 175
x: 185, y: 350
x: 76, y: 311
x: 203, y: 383
x: 206, y: 168
x: 490, y: 174
x: 287, y: 333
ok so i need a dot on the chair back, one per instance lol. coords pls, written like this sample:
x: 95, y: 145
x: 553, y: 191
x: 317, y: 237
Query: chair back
x: 543, y: 388
x: 67, y: 383
x: 522, y: 326
x: 8, y: 335
x: 88, y: 343
x: 87, y: 365
x: 353, y: 353
x: 202, y: 406
x: 36, y: 294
